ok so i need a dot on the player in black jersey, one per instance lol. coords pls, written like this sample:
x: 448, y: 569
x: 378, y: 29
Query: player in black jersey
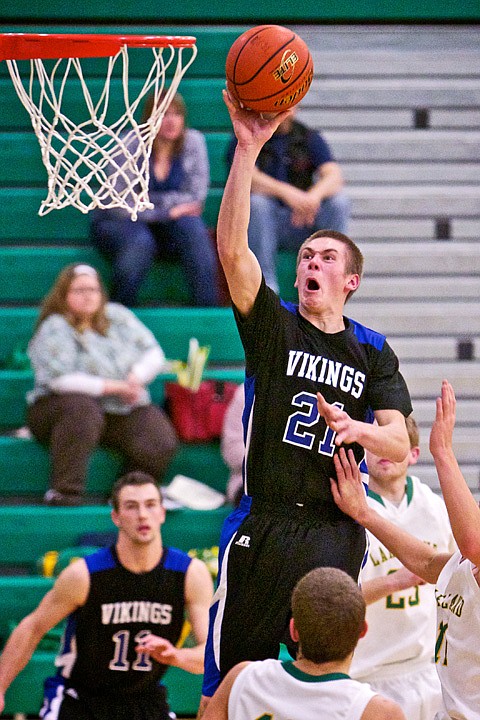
x: 314, y: 380
x: 126, y: 607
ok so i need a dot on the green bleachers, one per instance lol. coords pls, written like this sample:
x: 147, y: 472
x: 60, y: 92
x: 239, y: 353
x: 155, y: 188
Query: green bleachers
x: 23, y: 176
x: 33, y: 250
x: 202, y: 95
x: 24, y: 464
x: 28, y: 272
x: 22, y: 225
x: 16, y: 329
x: 172, y: 326
x: 24, y: 468
x: 29, y: 531
x: 19, y: 596
x: 21, y: 156
x: 15, y: 383
x: 232, y: 11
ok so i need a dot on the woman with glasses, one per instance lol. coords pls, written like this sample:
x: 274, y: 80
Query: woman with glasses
x: 92, y: 362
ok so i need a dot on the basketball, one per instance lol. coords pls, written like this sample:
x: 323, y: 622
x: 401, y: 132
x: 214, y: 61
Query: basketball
x: 269, y: 69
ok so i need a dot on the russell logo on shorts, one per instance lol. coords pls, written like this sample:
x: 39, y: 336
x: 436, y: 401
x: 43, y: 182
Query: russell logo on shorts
x: 244, y: 541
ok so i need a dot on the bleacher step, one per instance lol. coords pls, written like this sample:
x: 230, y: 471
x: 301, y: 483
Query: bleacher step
x: 29, y: 531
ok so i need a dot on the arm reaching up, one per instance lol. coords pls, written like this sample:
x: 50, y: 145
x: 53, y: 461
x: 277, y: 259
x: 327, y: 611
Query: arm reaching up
x: 240, y: 265
x: 462, y: 509
x: 349, y: 494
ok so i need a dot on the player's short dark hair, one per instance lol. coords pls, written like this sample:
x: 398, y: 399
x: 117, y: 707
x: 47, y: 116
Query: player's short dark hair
x: 136, y: 477
x: 354, y: 264
x: 413, y: 431
x: 329, y: 613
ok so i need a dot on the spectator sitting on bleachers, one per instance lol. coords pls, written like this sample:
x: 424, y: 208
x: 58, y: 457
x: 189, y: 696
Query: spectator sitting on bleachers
x: 179, y: 181
x: 92, y: 361
x: 296, y: 189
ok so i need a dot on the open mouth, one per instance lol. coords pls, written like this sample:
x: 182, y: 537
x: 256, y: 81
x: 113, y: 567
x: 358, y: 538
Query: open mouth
x: 312, y: 284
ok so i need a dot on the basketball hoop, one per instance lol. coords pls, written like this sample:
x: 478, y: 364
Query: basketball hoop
x: 99, y: 160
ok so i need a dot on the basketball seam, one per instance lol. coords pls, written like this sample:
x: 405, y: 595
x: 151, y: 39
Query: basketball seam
x: 279, y: 92
x: 245, y: 82
x: 247, y: 41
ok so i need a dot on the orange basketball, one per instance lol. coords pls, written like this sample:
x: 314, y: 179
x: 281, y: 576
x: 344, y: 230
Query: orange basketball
x: 269, y: 69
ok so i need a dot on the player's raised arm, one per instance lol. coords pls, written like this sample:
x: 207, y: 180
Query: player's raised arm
x: 240, y: 265
x: 463, y: 510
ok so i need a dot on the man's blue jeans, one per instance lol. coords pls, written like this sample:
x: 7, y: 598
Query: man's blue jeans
x: 270, y: 228
x: 133, y: 246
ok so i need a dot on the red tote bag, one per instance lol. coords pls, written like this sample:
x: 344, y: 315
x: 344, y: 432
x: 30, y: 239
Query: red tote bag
x: 198, y: 416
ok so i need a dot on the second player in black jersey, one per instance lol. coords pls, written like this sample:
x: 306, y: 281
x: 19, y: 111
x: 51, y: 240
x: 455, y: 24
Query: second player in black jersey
x: 125, y: 608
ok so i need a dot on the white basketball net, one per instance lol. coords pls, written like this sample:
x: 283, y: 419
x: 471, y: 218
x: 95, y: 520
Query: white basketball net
x: 97, y: 163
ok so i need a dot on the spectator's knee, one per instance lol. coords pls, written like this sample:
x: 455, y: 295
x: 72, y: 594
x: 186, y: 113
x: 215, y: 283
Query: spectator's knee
x: 260, y: 203
x: 342, y: 203
x: 81, y: 411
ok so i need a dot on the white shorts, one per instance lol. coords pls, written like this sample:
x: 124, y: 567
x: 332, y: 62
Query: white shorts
x: 418, y: 693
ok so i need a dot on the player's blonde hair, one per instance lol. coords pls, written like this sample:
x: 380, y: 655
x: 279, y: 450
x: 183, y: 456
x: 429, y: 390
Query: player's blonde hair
x: 329, y: 613
x: 413, y: 431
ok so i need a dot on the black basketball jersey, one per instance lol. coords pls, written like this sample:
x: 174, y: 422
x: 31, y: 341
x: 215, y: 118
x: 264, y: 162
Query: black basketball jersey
x: 289, y: 448
x: 98, y: 653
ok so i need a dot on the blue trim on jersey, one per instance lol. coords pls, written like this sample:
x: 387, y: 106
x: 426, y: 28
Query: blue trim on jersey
x: 69, y: 633
x: 211, y: 673
x: 291, y: 307
x: 230, y: 526
x: 249, y: 394
x: 53, y: 692
x: 249, y: 398
x: 176, y: 560
x: 101, y: 560
x: 66, y: 644
x: 364, y: 334
x: 367, y: 336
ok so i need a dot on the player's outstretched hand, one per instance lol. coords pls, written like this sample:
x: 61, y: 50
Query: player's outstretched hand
x: 250, y: 126
x: 348, y: 489
x: 441, y: 434
x: 403, y: 578
x: 346, y: 430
